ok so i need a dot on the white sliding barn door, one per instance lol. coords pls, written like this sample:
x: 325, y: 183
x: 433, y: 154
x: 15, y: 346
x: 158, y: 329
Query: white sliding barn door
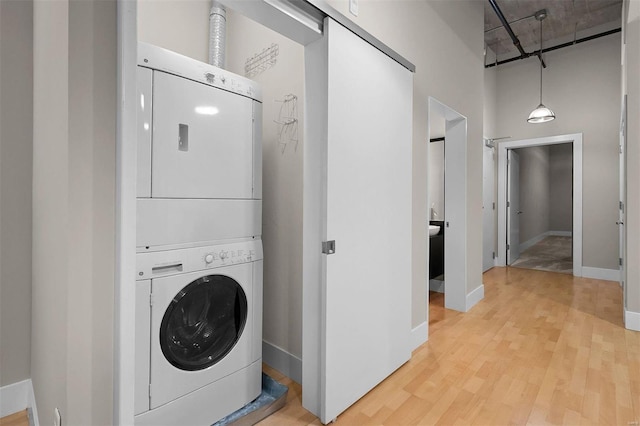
x: 357, y: 301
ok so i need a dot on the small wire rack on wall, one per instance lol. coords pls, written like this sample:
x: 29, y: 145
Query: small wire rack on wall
x: 287, y: 122
x: 260, y: 62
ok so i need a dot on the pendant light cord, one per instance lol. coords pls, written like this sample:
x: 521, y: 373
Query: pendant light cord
x: 540, y: 62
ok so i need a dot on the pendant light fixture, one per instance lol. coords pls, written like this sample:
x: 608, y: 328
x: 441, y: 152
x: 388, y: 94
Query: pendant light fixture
x: 541, y: 114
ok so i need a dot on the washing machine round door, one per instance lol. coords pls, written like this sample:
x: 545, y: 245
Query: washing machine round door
x: 203, y: 322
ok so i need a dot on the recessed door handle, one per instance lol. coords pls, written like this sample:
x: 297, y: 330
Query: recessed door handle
x: 619, y: 222
x: 329, y: 247
x: 167, y: 268
x: 183, y: 137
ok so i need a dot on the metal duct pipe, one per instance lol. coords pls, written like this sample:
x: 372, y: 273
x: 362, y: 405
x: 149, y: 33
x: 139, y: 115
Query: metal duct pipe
x: 507, y: 27
x: 217, y: 33
x: 514, y: 38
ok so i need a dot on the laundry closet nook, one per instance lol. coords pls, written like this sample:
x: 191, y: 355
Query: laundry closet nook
x: 295, y: 132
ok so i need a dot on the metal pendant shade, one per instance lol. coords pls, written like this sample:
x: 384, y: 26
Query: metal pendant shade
x: 541, y: 114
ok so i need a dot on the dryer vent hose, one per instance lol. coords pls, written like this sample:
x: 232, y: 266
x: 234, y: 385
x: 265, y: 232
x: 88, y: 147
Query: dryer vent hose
x: 217, y: 31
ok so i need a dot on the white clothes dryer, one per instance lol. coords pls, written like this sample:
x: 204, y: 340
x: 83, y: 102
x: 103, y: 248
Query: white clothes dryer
x: 199, y: 129
x: 199, y: 156
x: 198, y: 333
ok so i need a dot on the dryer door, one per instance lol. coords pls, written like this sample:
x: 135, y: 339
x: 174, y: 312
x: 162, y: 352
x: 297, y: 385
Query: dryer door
x: 201, y: 329
x: 202, y: 141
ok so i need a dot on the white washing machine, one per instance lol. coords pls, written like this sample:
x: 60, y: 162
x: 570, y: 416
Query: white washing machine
x: 199, y: 152
x: 198, y: 333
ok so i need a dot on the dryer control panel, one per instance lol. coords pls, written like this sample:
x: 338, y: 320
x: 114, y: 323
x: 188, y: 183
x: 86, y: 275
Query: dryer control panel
x: 160, y: 59
x: 172, y: 262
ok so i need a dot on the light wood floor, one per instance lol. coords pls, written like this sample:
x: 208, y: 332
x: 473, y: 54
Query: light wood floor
x: 16, y: 419
x: 541, y: 348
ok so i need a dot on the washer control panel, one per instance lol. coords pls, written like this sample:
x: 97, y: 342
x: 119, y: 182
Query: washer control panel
x: 229, y: 255
x: 180, y: 261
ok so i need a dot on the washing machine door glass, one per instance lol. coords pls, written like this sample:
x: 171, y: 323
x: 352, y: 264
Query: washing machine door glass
x: 203, y: 322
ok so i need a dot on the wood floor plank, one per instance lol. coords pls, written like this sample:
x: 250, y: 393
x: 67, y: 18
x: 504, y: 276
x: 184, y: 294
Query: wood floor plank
x: 541, y: 348
x: 21, y: 418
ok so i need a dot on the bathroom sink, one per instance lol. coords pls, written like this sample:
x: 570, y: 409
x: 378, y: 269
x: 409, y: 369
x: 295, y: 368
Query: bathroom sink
x: 433, y: 230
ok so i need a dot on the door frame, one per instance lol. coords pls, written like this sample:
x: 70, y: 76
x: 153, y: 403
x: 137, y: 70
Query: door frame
x: 491, y: 232
x: 512, y: 158
x: 455, y: 292
x: 576, y: 140
x: 622, y: 208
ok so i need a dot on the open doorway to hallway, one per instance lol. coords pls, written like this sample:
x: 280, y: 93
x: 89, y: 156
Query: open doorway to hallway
x: 509, y: 211
x: 540, y: 206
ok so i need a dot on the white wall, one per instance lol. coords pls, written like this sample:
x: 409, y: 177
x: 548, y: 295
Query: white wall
x: 561, y: 187
x: 534, y: 192
x: 74, y: 169
x: 282, y: 177
x: 436, y: 181
x: 489, y: 121
x: 16, y: 135
x: 490, y: 108
x: 181, y: 26
x: 577, y: 79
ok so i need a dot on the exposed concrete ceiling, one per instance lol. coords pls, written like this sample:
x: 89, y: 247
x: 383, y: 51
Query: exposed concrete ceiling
x: 566, y: 20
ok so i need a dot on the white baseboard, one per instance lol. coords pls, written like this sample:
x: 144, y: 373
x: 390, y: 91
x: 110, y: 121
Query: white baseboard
x: 474, y: 297
x: 532, y: 241
x: 436, y: 285
x: 560, y: 233
x: 33, y: 410
x: 286, y: 363
x: 632, y: 320
x: 17, y: 397
x: 601, y: 273
x: 14, y: 397
x: 419, y: 335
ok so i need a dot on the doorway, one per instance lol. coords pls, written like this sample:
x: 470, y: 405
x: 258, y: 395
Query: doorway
x: 510, y: 212
x: 540, y: 204
x: 447, y: 205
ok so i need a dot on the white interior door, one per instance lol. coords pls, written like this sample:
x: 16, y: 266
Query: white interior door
x: 623, y: 199
x: 358, y: 176
x: 513, y: 207
x: 455, y: 188
x: 488, y: 205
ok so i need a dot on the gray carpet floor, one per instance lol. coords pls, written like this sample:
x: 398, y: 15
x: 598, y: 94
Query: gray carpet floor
x: 551, y: 254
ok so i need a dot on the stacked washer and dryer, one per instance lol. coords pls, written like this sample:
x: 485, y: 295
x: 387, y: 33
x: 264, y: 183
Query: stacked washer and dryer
x: 199, y: 249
